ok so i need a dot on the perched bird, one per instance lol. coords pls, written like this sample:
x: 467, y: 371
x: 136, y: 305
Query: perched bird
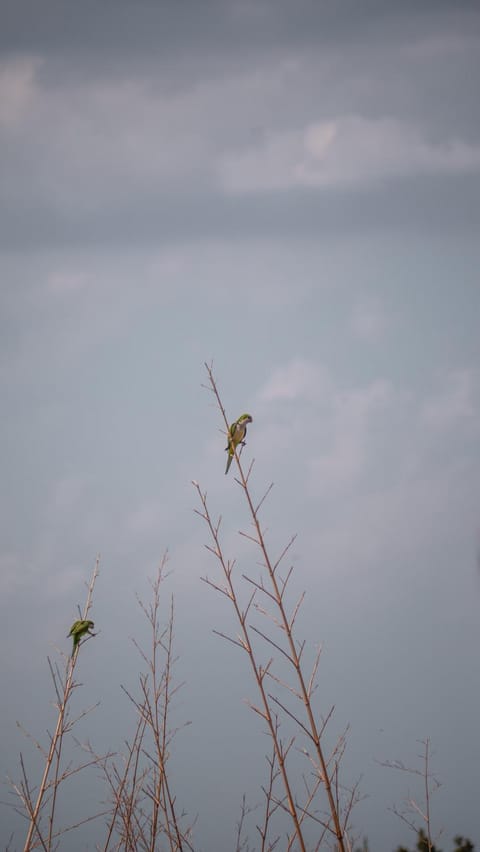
x: 236, y: 436
x: 79, y: 629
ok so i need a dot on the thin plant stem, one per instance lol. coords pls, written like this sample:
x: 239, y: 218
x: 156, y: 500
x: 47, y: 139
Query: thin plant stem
x: 57, y: 736
x: 294, y: 656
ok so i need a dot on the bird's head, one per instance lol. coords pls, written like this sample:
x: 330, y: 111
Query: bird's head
x: 244, y: 419
x: 90, y: 625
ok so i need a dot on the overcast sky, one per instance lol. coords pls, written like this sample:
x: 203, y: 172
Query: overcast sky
x: 292, y: 190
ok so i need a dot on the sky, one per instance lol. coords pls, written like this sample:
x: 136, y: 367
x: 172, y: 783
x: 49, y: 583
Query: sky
x: 292, y: 192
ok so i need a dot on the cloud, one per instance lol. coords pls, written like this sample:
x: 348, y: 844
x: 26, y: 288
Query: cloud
x: 344, y: 151
x: 228, y: 27
x: 12, y: 574
x: 359, y: 440
x: 369, y: 322
x: 301, y: 379
x: 403, y: 524
x: 17, y: 90
x: 144, y: 520
x: 129, y: 146
x: 454, y: 403
x: 129, y: 132
x: 352, y: 412
x: 378, y: 465
x: 67, y: 282
x: 301, y: 406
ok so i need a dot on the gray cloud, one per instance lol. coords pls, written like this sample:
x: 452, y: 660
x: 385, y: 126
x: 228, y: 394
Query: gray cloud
x: 146, y: 26
x: 116, y: 122
x: 432, y: 205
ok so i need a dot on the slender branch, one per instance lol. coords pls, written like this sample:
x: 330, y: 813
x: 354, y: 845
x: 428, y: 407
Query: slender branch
x: 143, y: 801
x: 412, y: 808
x: 56, y: 738
x: 266, y: 713
x: 294, y: 656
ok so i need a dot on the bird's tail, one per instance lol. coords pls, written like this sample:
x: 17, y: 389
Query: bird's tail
x: 229, y: 461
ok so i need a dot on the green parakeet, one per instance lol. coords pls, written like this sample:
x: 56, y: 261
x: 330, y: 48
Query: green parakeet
x: 236, y: 436
x: 79, y: 629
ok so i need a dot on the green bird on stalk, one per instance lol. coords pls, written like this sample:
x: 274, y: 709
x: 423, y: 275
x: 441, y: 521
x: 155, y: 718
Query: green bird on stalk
x: 236, y: 436
x: 78, y: 630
